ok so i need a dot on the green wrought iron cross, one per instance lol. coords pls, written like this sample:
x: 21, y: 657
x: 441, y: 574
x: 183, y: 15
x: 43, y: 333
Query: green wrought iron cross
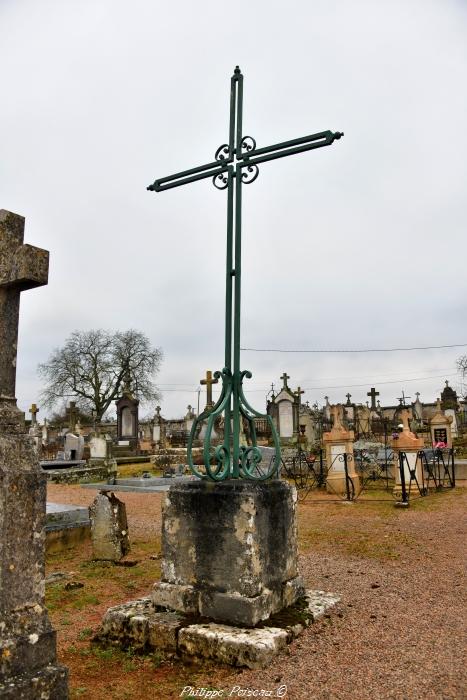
x: 235, y: 164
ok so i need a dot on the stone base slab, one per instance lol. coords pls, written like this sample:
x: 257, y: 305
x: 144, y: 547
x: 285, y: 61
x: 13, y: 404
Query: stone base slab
x: 48, y: 683
x: 235, y: 608
x: 144, y: 627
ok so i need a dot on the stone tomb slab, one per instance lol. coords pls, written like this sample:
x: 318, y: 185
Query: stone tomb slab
x: 142, y: 626
x: 65, y: 526
x: 153, y: 484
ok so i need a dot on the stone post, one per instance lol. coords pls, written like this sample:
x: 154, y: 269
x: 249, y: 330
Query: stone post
x: 28, y: 662
x: 338, y: 444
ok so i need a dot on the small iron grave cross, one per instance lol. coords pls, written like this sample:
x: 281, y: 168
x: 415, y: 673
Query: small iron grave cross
x: 402, y: 399
x: 373, y: 394
x: 236, y: 164
x: 298, y: 394
x: 22, y: 266
x: 208, y: 382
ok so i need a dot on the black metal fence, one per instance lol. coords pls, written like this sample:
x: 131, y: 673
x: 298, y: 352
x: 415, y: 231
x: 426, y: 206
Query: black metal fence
x: 372, y: 475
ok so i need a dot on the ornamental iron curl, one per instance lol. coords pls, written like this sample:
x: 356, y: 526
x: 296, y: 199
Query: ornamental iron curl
x: 220, y: 181
x: 220, y: 461
x: 249, y: 174
x: 236, y: 164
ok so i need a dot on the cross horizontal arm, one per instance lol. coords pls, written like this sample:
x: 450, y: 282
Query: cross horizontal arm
x: 183, y: 178
x: 289, y: 148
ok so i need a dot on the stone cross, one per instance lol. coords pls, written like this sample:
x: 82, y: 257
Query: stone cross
x: 28, y: 662
x: 72, y: 416
x: 33, y: 411
x: 405, y: 415
x: 438, y: 405
x: 158, y: 412
x: 336, y: 414
x: 208, y: 382
x: 22, y: 267
x: 373, y: 394
x: 348, y: 399
x: 284, y: 378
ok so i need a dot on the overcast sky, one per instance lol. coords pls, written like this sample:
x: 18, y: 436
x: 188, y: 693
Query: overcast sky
x: 360, y: 245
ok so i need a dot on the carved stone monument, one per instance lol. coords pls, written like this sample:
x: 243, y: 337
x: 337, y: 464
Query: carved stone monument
x: 410, y: 444
x: 338, y: 444
x: 127, y: 417
x: 28, y: 662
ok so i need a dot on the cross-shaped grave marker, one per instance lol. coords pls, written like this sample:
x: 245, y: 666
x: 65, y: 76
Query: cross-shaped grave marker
x: 284, y: 378
x: 235, y: 164
x: 27, y: 641
x: 33, y: 411
x: 208, y: 382
x: 373, y: 394
x: 22, y: 266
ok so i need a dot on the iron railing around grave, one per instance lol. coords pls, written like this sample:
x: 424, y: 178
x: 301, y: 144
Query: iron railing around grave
x: 431, y: 469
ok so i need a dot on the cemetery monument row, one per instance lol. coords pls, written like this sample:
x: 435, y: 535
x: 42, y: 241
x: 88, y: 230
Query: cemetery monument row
x: 227, y: 567
x: 28, y: 665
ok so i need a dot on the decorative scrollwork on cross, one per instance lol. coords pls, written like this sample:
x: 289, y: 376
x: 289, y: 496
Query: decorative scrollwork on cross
x: 223, y: 152
x: 217, y: 458
x: 249, y: 174
x: 248, y: 144
x: 221, y: 181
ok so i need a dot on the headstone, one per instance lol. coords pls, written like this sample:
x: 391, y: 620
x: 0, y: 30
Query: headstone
x: 98, y: 447
x: 127, y: 416
x: 28, y: 661
x: 109, y: 527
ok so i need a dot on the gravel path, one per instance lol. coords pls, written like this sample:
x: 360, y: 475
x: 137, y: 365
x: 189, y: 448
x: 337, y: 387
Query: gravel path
x: 399, y: 631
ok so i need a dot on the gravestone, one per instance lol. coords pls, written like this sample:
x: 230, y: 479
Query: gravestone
x: 408, y: 443
x: 28, y: 661
x: 127, y: 417
x: 109, y: 527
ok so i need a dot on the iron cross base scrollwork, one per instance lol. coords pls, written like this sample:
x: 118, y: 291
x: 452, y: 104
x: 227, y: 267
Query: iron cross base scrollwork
x: 236, y: 163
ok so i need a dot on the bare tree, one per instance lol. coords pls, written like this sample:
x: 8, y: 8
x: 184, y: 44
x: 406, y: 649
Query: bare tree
x: 92, y: 366
x: 462, y: 369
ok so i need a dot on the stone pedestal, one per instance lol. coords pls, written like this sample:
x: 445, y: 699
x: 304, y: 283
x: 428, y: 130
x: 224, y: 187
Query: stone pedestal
x: 229, y: 550
x: 410, y: 444
x: 28, y: 668
x: 338, y: 444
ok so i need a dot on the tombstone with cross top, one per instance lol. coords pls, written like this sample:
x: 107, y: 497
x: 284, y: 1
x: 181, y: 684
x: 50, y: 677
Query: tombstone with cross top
x: 28, y: 662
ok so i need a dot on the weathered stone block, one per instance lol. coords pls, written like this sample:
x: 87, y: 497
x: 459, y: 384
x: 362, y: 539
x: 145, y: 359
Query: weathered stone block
x: 254, y: 648
x: 109, y: 527
x: 163, y: 630
x: 176, y: 597
x: 233, y: 543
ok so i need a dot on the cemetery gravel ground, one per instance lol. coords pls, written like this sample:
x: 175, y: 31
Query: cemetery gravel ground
x: 399, y: 631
